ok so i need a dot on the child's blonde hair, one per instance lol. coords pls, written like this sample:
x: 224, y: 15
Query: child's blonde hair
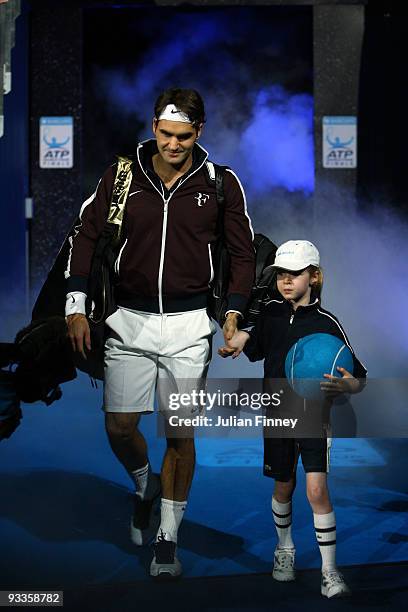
x: 317, y: 287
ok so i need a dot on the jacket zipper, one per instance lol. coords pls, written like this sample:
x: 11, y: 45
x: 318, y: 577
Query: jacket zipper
x: 291, y: 319
x: 163, y: 246
x: 164, y: 232
x: 164, y: 226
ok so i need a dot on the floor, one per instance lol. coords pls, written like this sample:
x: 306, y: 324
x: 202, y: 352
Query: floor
x: 66, y: 502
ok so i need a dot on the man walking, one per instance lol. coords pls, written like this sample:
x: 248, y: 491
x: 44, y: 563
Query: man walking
x: 161, y: 329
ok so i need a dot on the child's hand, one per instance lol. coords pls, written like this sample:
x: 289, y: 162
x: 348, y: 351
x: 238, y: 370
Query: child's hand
x: 335, y: 386
x: 235, y: 346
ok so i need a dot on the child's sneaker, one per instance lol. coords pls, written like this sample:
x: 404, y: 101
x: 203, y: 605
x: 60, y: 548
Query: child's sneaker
x: 284, y: 564
x: 333, y: 584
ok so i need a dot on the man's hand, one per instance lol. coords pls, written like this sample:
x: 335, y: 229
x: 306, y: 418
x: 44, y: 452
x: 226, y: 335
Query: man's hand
x: 235, y: 346
x: 335, y: 386
x: 79, y: 332
x: 230, y: 326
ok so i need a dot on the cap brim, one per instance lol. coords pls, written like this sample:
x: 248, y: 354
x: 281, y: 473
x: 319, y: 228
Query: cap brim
x: 290, y: 266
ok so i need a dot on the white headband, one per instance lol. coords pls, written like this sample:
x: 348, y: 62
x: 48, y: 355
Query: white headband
x: 172, y: 113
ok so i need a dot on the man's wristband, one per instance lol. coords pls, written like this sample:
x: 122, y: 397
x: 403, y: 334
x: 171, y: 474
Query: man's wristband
x: 75, y: 303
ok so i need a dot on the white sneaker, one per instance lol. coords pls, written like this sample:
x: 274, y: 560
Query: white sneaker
x: 165, y: 565
x: 333, y: 584
x: 284, y: 564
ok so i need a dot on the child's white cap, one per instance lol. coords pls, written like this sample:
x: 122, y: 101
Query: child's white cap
x: 296, y: 255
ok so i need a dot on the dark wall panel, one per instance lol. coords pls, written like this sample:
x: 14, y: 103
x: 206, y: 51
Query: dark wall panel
x: 337, y: 39
x: 14, y: 180
x: 56, y: 57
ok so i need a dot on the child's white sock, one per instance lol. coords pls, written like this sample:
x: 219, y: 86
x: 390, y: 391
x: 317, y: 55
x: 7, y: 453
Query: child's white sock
x: 282, y: 515
x: 325, y: 527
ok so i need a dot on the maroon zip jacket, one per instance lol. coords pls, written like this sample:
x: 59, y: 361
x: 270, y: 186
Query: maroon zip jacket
x: 165, y: 260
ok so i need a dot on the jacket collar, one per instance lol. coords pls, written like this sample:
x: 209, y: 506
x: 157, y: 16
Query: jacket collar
x: 312, y: 305
x: 285, y: 305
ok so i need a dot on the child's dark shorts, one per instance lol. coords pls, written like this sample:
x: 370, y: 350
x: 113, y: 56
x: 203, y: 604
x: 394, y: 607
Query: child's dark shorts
x: 281, y: 456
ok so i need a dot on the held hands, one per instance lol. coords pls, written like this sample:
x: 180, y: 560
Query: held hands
x: 235, y: 346
x: 79, y: 333
x: 335, y: 386
x: 230, y: 333
x: 230, y: 325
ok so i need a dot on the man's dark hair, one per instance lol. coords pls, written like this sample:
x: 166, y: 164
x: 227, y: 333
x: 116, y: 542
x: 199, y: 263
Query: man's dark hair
x: 188, y: 101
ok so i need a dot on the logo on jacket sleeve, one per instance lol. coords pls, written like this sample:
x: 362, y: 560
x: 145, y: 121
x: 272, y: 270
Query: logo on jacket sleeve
x: 201, y: 198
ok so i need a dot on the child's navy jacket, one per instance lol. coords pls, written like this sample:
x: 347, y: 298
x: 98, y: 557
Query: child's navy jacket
x: 279, y: 326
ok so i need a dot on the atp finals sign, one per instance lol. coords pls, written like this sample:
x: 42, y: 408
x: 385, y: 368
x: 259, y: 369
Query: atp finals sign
x: 56, y: 142
x: 340, y: 142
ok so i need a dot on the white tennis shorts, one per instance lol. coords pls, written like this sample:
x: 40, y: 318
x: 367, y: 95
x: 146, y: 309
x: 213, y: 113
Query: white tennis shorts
x: 145, y: 352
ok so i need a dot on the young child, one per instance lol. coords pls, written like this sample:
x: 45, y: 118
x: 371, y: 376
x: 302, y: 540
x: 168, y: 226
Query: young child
x: 294, y: 314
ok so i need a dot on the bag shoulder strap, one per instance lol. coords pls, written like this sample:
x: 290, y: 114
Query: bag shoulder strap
x: 120, y: 193
x: 111, y: 232
x: 216, y: 174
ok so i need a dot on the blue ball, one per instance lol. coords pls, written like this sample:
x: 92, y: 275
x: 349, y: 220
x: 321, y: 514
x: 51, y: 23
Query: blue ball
x: 311, y: 357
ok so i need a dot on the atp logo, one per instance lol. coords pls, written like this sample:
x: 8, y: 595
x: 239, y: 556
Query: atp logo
x: 337, y: 143
x: 201, y: 198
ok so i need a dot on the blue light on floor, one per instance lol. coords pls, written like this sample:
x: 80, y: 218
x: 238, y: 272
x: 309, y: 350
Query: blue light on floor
x: 66, y: 502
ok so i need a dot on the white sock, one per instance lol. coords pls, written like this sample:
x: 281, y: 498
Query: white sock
x: 146, y: 486
x: 325, y: 527
x: 282, y: 515
x: 171, y: 516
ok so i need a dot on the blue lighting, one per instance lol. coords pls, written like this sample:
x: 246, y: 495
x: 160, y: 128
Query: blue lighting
x: 255, y: 124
